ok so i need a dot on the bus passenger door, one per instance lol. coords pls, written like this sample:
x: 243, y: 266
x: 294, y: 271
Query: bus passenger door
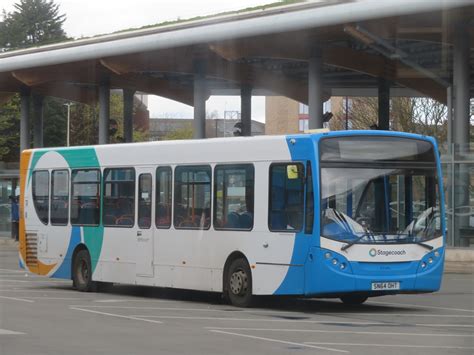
x: 144, y: 235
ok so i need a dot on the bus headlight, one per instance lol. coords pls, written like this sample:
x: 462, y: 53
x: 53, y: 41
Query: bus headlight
x: 342, y: 266
x: 334, y: 261
x: 423, y: 264
x: 327, y: 255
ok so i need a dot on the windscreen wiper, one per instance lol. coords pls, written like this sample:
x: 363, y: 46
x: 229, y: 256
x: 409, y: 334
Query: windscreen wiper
x: 424, y: 245
x: 355, y: 241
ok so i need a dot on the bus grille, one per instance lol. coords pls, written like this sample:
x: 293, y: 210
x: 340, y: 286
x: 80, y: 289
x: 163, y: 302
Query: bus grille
x: 31, y: 249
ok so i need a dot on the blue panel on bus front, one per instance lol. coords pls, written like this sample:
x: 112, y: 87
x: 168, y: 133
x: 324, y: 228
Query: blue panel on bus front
x: 302, y: 149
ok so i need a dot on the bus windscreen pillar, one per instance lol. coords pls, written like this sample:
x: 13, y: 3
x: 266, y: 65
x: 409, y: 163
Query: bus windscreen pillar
x: 315, y: 89
x: 200, y: 97
x: 384, y: 104
x: 246, y: 109
x: 104, y: 112
x: 24, y: 118
x: 128, y: 96
x: 461, y: 51
x: 38, y: 102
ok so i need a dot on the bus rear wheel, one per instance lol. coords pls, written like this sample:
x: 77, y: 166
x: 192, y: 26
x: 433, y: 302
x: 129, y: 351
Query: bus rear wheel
x: 239, y: 283
x: 353, y: 300
x: 82, y: 272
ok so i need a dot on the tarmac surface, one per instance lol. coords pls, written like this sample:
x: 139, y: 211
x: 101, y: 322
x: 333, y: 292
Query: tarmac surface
x: 46, y: 316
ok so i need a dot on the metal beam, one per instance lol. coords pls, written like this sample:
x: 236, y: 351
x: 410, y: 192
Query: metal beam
x: 128, y: 96
x: 200, y: 97
x: 384, y: 104
x: 315, y: 90
x: 38, y: 101
x: 461, y: 54
x: 104, y: 112
x: 246, y: 110
x: 25, y: 98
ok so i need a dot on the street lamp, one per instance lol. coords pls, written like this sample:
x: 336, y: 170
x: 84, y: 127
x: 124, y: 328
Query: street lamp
x: 69, y: 104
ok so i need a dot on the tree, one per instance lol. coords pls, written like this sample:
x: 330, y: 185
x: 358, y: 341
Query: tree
x: 183, y: 133
x: 85, y: 123
x: 408, y: 114
x: 10, y: 130
x: 33, y: 22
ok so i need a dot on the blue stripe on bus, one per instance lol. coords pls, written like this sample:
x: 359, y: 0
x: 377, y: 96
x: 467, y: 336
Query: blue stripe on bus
x: 64, y: 271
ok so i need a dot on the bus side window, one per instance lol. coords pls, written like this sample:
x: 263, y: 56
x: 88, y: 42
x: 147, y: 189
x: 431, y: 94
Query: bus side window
x: 192, y: 197
x: 59, y: 197
x: 286, y: 205
x: 163, y: 197
x: 234, y: 197
x: 41, y: 194
x: 85, y: 197
x: 119, y: 197
x: 144, y: 201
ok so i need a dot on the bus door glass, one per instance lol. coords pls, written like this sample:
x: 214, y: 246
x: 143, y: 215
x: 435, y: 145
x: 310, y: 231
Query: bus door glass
x: 144, y: 234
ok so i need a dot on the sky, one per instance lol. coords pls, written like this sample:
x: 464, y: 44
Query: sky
x: 86, y: 18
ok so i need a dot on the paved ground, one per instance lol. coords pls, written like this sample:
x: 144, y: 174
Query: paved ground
x: 43, y: 316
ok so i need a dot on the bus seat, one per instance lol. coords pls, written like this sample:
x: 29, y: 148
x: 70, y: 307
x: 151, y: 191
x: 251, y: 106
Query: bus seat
x: 246, y: 220
x: 232, y: 220
x: 125, y: 220
x: 110, y: 219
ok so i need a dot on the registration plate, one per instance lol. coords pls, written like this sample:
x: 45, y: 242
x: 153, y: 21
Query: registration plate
x: 391, y: 285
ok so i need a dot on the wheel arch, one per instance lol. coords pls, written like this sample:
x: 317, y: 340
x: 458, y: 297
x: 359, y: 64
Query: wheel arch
x: 78, y: 248
x: 237, y: 254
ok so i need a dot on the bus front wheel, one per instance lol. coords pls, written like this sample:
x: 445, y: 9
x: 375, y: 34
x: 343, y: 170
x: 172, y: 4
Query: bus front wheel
x: 353, y: 300
x: 239, y: 283
x: 82, y: 272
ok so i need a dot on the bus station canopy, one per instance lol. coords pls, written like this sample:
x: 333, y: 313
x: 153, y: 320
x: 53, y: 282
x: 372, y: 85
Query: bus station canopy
x: 407, y: 42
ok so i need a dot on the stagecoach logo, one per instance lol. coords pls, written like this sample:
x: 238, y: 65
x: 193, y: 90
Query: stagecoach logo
x: 374, y: 252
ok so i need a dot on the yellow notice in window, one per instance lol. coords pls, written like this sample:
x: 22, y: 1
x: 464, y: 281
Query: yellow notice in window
x: 292, y: 172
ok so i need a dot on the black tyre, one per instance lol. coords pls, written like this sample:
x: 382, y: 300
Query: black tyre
x: 82, y: 272
x: 239, y: 283
x: 353, y: 300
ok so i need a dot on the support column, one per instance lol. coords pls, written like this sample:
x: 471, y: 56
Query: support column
x: 461, y: 87
x: 461, y: 41
x: 38, y: 101
x: 315, y: 89
x: 200, y: 96
x: 128, y: 96
x: 246, y: 109
x: 104, y: 112
x: 384, y: 104
x: 25, y: 97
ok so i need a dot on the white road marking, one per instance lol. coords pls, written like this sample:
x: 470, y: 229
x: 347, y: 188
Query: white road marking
x: 17, y: 299
x: 188, y: 309
x: 13, y: 270
x: 453, y: 335
x: 9, y: 332
x: 110, y: 301
x: 55, y: 298
x: 280, y: 341
x: 411, y: 305
x: 398, y: 315
x: 37, y: 281
x: 394, y: 345
x: 445, y: 325
x: 116, y: 315
x: 265, y: 320
x: 38, y: 290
